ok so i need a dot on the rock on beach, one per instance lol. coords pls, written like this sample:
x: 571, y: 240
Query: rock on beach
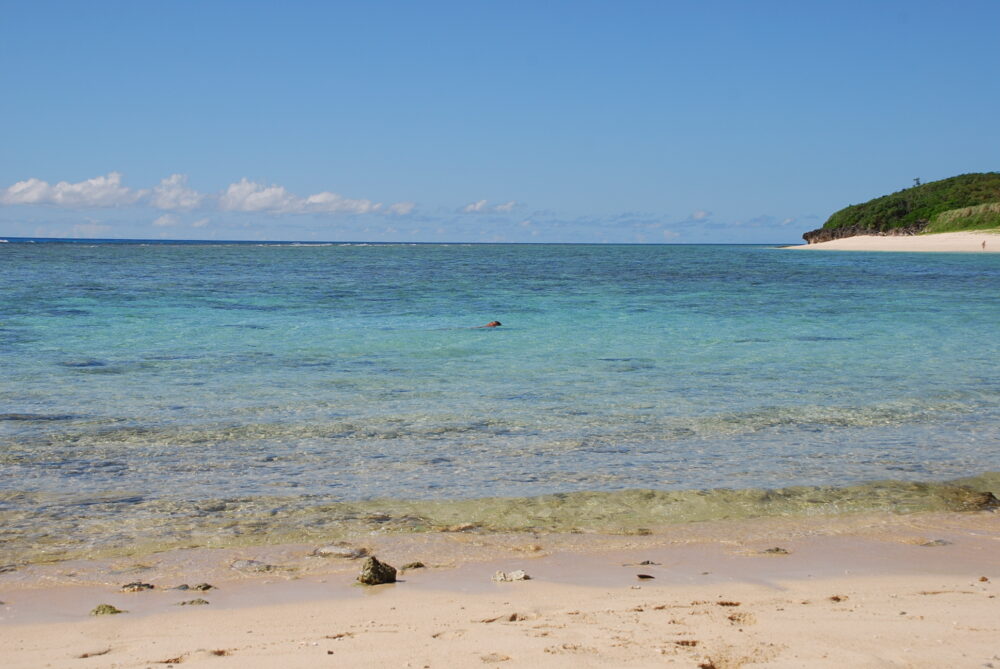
x: 507, y: 577
x: 251, y: 566
x: 375, y: 572
x: 340, y: 551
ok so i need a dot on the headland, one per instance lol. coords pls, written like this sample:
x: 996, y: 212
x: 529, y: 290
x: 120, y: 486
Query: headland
x: 963, y: 203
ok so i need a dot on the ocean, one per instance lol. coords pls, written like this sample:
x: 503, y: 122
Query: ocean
x: 155, y: 395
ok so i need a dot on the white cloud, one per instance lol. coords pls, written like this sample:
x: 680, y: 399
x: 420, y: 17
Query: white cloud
x: 251, y: 196
x: 105, y: 191
x: 166, y: 220
x: 700, y: 215
x: 89, y: 230
x: 401, y: 208
x: 481, y: 205
x: 173, y: 193
x: 200, y: 223
x: 32, y: 191
x: 328, y: 202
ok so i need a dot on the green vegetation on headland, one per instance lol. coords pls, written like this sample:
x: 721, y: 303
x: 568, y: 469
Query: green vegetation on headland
x: 965, y: 202
x: 981, y: 217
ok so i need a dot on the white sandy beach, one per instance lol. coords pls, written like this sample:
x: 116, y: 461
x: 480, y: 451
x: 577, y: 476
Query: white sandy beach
x: 945, y: 242
x: 859, y: 591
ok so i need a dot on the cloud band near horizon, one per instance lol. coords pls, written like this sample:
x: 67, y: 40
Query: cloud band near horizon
x: 174, y: 194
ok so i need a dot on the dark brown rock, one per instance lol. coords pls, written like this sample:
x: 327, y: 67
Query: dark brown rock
x: 974, y: 500
x: 829, y: 234
x: 777, y: 550
x: 375, y: 572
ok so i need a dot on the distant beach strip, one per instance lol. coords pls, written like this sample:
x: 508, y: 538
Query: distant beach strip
x: 977, y: 241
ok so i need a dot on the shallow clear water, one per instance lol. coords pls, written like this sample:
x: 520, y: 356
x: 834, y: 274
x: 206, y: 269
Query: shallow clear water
x: 153, y: 378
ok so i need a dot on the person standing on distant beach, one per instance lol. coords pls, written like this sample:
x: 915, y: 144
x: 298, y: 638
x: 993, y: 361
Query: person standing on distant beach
x: 984, y: 244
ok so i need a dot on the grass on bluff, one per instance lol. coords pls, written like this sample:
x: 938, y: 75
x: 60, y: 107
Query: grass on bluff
x: 980, y: 217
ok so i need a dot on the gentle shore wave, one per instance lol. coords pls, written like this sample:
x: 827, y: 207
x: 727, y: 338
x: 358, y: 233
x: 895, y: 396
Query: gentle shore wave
x: 41, y: 527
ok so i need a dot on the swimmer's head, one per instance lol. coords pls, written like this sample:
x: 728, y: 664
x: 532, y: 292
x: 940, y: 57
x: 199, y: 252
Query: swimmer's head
x: 494, y: 324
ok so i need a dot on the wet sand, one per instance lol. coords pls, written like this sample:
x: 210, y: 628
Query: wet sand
x: 865, y: 590
x: 945, y: 242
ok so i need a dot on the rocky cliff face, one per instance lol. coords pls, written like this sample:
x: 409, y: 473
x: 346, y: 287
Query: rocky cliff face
x: 829, y: 234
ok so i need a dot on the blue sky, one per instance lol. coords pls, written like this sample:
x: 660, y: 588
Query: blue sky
x: 674, y: 122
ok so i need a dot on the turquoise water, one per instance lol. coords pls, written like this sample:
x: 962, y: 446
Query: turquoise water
x: 139, y: 381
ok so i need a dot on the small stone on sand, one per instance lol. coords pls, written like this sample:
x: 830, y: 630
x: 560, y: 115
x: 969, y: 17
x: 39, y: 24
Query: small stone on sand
x: 251, y: 566
x: 507, y: 577
x: 341, y: 551
x: 463, y: 527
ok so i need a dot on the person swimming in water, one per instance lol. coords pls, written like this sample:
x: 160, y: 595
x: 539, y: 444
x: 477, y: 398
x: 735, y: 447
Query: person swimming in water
x: 491, y: 324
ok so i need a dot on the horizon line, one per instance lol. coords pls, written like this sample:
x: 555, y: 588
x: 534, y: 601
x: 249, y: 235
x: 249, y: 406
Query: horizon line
x: 125, y: 240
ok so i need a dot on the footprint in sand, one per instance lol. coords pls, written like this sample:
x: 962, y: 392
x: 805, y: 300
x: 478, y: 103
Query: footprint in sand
x: 742, y: 618
x: 494, y: 657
